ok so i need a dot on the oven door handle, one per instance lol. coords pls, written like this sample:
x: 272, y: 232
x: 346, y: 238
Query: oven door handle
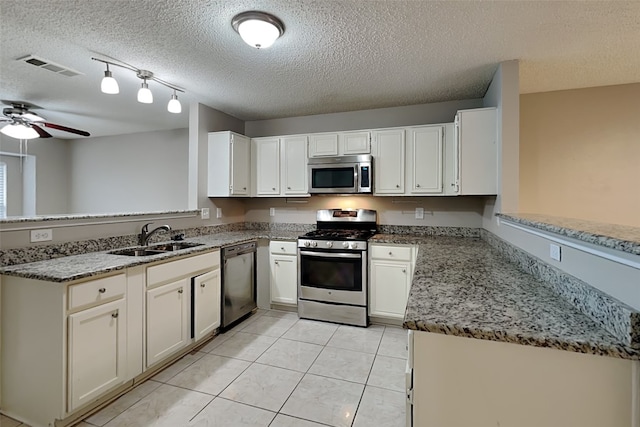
x: 330, y: 254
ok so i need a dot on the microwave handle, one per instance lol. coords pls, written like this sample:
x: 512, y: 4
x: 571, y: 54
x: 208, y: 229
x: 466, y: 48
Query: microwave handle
x: 356, y: 172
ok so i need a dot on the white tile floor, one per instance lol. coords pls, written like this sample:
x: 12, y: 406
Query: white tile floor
x: 274, y: 370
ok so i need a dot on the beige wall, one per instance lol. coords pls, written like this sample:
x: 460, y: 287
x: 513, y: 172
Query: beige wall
x: 580, y: 153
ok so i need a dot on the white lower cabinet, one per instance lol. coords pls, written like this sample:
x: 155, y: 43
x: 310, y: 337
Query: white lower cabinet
x: 97, y: 357
x: 283, y: 265
x: 167, y: 320
x: 206, y: 303
x: 390, y: 276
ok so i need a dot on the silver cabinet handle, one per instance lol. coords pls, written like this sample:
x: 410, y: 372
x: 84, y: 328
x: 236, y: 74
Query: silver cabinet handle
x: 418, y: 185
x: 397, y: 185
x: 114, y: 315
x: 202, y: 285
x: 404, y: 270
x: 102, y: 290
x: 288, y: 188
x: 276, y: 263
x: 273, y: 188
x: 244, y: 188
x: 390, y: 253
x: 282, y: 249
x: 180, y: 291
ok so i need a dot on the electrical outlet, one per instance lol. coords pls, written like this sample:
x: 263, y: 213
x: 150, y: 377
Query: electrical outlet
x: 218, y: 212
x: 43, y: 235
x: 555, y: 252
x: 419, y: 213
x: 204, y: 213
x: 272, y: 211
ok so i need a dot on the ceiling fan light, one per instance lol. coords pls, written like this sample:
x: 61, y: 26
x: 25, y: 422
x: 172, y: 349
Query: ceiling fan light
x: 144, y: 94
x: 19, y: 131
x: 109, y: 84
x: 258, y: 29
x: 174, y: 105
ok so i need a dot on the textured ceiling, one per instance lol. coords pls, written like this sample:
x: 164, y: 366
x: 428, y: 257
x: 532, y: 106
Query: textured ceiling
x: 334, y: 56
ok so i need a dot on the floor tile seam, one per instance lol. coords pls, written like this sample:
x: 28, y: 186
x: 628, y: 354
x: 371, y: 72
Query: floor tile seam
x: 385, y: 389
x: 392, y: 357
x: 239, y: 403
x: 203, y: 408
x: 369, y: 374
x: 128, y: 407
x: 300, y: 418
x: 334, y: 378
x: 190, y: 389
x: 174, y: 363
x: 342, y: 348
x: 237, y: 376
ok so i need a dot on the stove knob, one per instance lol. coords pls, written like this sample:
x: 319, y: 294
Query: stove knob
x: 307, y: 243
x: 329, y: 244
x: 314, y: 244
x: 353, y: 245
x: 345, y: 244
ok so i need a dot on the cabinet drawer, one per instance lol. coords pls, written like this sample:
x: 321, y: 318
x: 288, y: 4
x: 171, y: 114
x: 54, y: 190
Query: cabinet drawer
x: 173, y: 270
x: 285, y: 248
x: 399, y: 253
x: 96, y: 291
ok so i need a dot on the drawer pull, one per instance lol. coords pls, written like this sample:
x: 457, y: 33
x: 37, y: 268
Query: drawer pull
x: 276, y: 263
x: 282, y: 249
x: 273, y: 188
x: 390, y: 253
x: 404, y: 270
x: 202, y: 285
x: 418, y: 185
x: 180, y: 291
x: 288, y: 188
x: 114, y: 315
x: 397, y: 185
x: 102, y: 290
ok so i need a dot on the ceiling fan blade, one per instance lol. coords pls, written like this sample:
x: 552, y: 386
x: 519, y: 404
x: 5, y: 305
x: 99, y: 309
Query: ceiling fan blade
x: 43, y: 133
x: 66, y: 129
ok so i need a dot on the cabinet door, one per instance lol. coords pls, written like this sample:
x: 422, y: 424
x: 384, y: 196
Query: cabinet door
x: 240, y: 165
x: 267, y: 166
x: 294, y: 169
x: 425, y: 160
x: 389, y: 161
x: 206, y: 298
x: 167, y: 319
x: 478, y: 152
x: 389, y: 288
x: 97, y: 345
x: 284, y: 279
x: 355, y: 143
x: 323, y: 144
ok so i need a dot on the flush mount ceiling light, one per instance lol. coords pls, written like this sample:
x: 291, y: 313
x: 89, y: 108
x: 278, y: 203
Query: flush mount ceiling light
x: 109, y: 84
x: 258, y: 29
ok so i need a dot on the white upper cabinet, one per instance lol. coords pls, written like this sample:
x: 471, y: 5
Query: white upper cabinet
x: 339, y: 144
x: 267, y: 152
x: 388, y: 148
x: 323, y: 144
x: 352, y: 143
x: 477, y: 151
x: 281, y: 166
x: 294, y: 165
x: 229, y: 165
x: 450, y: 162
x: 424, y: 159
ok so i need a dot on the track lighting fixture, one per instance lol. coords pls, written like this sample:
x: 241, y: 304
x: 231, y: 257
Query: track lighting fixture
x: 110, y: 85
x: 258, y: 29
x: 174, y: 105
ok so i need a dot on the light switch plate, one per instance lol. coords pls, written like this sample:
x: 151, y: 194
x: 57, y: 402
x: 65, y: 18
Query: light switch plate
x: 419, y: 213
x: 204, y: 213
x: 555, y: 252
x: 43, y: 235
x: 218, y: 212
x: 272, y: 211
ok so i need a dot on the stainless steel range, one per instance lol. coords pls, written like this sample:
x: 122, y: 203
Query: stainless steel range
x: 332, y: 267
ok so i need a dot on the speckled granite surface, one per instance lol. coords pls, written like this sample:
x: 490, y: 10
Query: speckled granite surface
x: 76, y: 267
x: 90, y: 216
x: 466, y: 288
x: 429, y: 230
x: 616, y: 317
x: 620, y: 237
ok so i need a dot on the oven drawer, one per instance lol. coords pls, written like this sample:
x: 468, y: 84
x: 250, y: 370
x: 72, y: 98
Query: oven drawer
x: 283, y: 248
x: 388, y: 252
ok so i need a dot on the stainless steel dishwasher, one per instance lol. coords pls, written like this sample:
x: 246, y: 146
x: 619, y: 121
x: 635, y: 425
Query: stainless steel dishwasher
x: 238, y: 282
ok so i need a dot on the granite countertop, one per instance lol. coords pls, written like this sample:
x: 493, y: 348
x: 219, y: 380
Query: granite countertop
x: 463, y: 287
x: 69, y: 268
x: 620, y: 237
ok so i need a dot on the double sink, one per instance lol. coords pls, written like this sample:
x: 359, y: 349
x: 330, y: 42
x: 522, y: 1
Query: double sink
x: 155, y: 249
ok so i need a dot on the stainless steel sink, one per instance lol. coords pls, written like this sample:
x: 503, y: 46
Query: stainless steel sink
x: 155, y: 249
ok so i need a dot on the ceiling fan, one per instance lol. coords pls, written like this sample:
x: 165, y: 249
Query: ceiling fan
x: 24, y: 124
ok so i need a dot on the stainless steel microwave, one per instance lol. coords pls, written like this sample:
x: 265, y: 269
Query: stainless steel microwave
x: 341, y: 175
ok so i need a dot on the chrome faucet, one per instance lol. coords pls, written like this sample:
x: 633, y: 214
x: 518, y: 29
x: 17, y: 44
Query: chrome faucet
x: 145, y: 233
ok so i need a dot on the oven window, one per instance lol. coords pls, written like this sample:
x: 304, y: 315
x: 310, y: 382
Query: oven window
x: 332, y: 178
x: 343, y: 274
